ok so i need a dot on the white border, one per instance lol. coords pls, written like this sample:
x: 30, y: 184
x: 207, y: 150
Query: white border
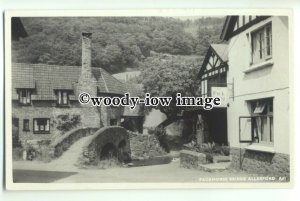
x: 141, y: 12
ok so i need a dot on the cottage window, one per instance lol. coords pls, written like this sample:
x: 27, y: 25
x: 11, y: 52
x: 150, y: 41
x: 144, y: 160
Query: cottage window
x: 24, y: 96
x: 261, y: 44
x: 41, y: 126
x: 262, y: 121
x: 62, y: 97
x: 26, y: 125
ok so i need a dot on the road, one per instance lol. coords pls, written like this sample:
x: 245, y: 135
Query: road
x: 39, y: 172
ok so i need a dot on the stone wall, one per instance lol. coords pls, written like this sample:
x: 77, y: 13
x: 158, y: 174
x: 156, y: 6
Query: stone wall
x: 62, y: 143
x: 192, y: 159
x: 48, y: 109
x: 260, y: 162
x: 94, y: 117
x: 144, y: 146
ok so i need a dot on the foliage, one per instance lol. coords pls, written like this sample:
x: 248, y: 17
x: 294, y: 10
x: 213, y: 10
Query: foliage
x: 118, y: 42
x: 160, y: 77
x: 161, y: 135
x: 67, y: 122
x: 210, y: 148
x: 207, y: 147
x: 31, y: 152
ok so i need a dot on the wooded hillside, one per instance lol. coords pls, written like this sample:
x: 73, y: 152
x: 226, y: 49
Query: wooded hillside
x: 118, y: 42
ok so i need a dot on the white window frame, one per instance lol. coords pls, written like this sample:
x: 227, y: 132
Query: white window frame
x: 24, y: 100
x: 62, y: 98
x: 41, y: 128
x: 260, y: 112
x: 265, y: 51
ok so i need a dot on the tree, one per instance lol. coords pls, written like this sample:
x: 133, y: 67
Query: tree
x: 167, y: 75
x: 118, y: 42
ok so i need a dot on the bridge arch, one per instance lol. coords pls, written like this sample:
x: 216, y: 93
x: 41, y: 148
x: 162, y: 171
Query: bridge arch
x: 107, y: 142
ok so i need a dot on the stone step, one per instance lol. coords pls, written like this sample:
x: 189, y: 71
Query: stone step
x: 214, y: 167
x: 221, y: 159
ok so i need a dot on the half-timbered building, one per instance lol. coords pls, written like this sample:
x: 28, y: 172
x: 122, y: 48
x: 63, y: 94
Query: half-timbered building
x: 213, y: 77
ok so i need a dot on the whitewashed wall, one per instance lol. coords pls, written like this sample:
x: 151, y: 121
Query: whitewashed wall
x: 270, y: 81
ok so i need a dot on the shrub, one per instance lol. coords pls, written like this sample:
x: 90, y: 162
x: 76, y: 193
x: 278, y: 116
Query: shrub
x: 206, y: 147
x: 211, y: 148
x: 161, y: 134
x: 225, y: 150
x: 31, y: 152
x: 66, y: 122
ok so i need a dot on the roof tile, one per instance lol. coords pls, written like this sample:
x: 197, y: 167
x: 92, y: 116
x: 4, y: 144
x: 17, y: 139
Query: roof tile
x: 47, y: 78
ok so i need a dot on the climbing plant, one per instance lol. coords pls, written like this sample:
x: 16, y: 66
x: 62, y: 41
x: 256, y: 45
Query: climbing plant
x: 66, y: 122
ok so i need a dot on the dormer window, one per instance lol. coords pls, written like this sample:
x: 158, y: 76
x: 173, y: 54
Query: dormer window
x: 24, y: 96
x: 261, y: 44
x: 62, y: 97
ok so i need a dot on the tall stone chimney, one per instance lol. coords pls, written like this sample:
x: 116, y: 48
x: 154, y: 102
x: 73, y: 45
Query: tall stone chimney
x: 86, y: 54
x: 90, y: 116
x: 87, y: 82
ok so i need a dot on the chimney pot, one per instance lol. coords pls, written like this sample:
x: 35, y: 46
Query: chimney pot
x: 87, y: 34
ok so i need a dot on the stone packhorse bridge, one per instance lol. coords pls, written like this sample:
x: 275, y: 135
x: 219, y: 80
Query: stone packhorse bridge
x: 108, y: 142
x: 92, y: 145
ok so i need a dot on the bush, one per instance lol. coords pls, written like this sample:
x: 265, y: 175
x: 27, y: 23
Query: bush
x: 161, y: 134
x: 209, y: 148
x: 40, y: 151
x: 66, y: 122
x: 31, y: 152
x: 225, y: 150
